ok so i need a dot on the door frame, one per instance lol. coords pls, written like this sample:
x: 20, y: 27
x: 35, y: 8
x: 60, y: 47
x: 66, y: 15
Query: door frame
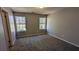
x: 9, y: 40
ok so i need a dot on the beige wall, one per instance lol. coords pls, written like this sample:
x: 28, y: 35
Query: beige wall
x: 32, y: 24
x: 11, y: 23
x: 65, y: 24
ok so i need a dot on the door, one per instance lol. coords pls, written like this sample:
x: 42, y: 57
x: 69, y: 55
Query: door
x: 5, y: 22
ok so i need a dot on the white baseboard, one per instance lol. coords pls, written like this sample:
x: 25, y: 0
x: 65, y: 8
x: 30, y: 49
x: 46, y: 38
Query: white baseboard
x: 64, y: 40
x: 30, y: 35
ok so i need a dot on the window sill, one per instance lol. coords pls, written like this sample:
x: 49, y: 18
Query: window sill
x: 20, y: 31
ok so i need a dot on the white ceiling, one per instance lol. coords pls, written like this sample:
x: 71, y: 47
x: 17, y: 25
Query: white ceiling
x: 45, y: 10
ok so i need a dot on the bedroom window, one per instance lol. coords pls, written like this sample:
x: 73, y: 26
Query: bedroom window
x: 42, y: 23
x: 20, y: 23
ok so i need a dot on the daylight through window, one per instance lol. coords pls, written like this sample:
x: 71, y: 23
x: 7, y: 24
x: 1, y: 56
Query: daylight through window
x: 20, y: 23
x: 42, y: 23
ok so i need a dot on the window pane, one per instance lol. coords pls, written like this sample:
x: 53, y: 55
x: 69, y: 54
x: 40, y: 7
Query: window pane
x: 42, y: 26
x: 23, y: 20
x: 42, y: 20
x: 18, y: 27
x: 24, y: 29
x: 17, y: 20
x: 20, y: 19
x: 23, y: 25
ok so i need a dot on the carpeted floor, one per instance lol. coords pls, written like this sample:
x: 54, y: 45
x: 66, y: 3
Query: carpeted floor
x: 42, y: 43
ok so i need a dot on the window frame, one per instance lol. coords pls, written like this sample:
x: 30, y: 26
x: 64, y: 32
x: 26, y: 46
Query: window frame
x: 43, y: 23
x: 21, y: 23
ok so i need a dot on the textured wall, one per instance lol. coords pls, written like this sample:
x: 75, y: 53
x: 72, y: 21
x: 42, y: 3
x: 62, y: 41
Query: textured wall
x: 65, y: 24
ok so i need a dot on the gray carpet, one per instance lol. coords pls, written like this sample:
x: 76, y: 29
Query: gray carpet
x: 42, y: 43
